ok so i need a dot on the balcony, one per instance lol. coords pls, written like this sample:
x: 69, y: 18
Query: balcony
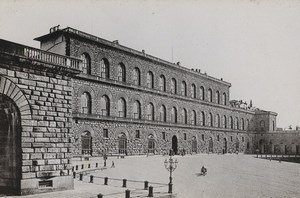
x: 22, y: 51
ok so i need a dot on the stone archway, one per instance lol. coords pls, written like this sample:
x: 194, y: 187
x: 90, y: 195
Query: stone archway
x: 151, y: 144
x: 237, y: 145
x: 10, y: 146
x: 122, y: 143
x: 175, y: 144
x: 194, y: 144
x: 224, y: 146
x: 210, y: 145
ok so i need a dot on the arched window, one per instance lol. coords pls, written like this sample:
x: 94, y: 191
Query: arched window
x: 184, y: 116
x: 162, y: 83
x: 210, y: 120
x: 105, y: 106
x: 104, y: 68
x: 183, y: 88
x: 86, y: 103
x: 86, y: 143
x: 231, y: 122
x: 202, y: 119
x: 247, y: 124
x: 194, y: 144
x: 242, y: 124
x: 209, y: 95
x: 217, y: 121
x: 194, y: 118
x: 137, y: 110
x: 224, y: 99
x: 162, y: 114
x: 121, y: 73
x: 151, y: 144
x: 217, y: 97
x: 193, y: 91
x: 174, y: 115
x: 122, y: 108
x: 202, y: 94
x: 224, y: 122
x: 86, y: 63
x: 237, y: 123
x: 262, y: 125
x: 150, y: 81
x: 136, y: 76
x: 122, y: 138
x: 150, y: 111
x: 173, y: 86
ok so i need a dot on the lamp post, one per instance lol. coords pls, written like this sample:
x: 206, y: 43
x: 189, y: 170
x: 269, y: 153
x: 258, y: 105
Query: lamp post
x: 170, y: 165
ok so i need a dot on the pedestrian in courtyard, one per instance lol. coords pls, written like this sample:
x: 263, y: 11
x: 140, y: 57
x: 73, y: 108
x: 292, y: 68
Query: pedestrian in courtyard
x: 113, y: 164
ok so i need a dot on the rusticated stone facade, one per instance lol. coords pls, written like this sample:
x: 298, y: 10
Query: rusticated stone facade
x: 40, y: 90
x: 199, y: 116
x: 116, y: 100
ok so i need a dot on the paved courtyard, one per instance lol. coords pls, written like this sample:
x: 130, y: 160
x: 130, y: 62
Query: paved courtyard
x: 228, y: 175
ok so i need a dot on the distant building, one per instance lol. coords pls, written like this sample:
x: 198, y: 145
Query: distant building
x: 83, y: 95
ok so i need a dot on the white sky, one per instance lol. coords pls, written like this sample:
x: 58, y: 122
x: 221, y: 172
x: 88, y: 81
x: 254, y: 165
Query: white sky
x: 254, y: 44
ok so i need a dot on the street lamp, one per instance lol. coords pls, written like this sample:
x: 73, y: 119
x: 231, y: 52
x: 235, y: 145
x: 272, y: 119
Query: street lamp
x: 170, y: 165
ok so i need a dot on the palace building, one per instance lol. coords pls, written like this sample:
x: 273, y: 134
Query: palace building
x: 83, y: 95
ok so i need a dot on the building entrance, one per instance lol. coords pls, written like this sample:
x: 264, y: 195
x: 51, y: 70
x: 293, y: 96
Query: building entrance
x: 10, y: 150
x: 122, y: 144
x: 210, y: 145
x: 175, y: 145
x: 224, y: 146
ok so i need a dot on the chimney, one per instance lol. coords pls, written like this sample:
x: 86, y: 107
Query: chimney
x: 178, y: 63
x: 116, y: 42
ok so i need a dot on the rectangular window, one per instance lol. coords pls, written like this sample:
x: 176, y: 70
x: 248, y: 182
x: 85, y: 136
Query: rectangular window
x: 231, y: 138
x: 105, y: 133
x: 202, y: 137
x: 137, y: 134
x: 163, y: 135
x: 243, y: 139
x: 184, y: 136
x: 218, y: 138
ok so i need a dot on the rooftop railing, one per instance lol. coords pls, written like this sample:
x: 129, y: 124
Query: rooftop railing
x: 39, y: 55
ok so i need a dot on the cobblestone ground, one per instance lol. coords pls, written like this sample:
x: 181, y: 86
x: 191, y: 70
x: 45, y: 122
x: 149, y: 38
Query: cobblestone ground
x: 228, y: 176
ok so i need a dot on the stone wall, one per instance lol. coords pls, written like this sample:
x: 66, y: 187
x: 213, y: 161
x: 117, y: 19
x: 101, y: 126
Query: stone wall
x: 136, y: 146
x: 283, y: 142
x: 43, y: 95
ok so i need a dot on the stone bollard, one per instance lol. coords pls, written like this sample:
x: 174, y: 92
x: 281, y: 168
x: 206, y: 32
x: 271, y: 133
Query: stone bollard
x: 99, y: 196
x: 127, y: 193
x: 105, y: 180
x: 170, y: 188
x: 146, y: 185
x: 80, y: 176
x: 150, y: 191
x: 91, y: 179
x: 82, y: 166
x: 124, y: 183
x: 76, y: 167
x: 74, y: 175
